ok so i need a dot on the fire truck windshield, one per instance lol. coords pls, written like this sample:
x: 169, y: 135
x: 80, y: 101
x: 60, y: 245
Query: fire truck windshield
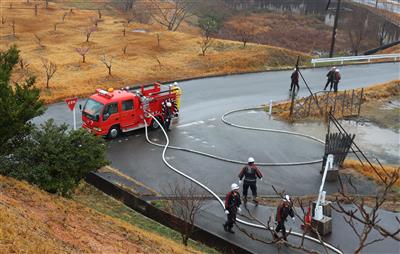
x: 92, y: 109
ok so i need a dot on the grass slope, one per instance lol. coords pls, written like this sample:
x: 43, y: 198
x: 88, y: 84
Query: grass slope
x: 33, y: 221
x: 177, y: 56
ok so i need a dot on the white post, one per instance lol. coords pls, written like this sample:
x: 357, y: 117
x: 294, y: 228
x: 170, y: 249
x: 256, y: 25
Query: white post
x: 270, y: 107
x: 73, y: 113
x: 318, y: 208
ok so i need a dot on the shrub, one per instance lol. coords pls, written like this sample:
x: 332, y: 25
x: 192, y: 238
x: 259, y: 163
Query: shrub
x: 55, y: 158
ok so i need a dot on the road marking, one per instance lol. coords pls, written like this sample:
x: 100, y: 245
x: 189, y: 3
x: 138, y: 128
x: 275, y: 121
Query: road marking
x: 190, y: 124
x: 184, y: 132
x: 137, y: 135
x: 169, y: 158
x: 191, y: 137
x: 211, y: 126
x: 197, y: 139
x: 204, y: 142
x: 155, y: 139
x: 212, y: 119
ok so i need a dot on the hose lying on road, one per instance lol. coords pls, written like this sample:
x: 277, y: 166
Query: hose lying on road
x: 166, y: 146
x: 257, y: 129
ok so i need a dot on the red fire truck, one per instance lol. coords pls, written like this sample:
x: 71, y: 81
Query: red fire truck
x: 111, y: 112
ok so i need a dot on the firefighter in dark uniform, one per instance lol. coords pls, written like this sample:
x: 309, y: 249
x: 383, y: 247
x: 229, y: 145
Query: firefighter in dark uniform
x: 250, y: 172
x: 169, y: 110
x: 295, y: 81
x: 232, y: 206
x: 282, y: 212
x: 330, y: 78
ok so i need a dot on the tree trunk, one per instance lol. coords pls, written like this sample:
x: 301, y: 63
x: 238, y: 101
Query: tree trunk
x: 87, y: 37
x: 109, y: 71
x: 83, y: 59
x: 47, y: 83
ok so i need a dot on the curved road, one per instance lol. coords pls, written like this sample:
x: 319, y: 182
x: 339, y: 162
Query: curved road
x: 200, y: 128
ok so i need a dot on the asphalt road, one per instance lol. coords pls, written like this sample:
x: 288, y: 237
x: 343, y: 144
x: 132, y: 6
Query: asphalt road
x: 200, y: 128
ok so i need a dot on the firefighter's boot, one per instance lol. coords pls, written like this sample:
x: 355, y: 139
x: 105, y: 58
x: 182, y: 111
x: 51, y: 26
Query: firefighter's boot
x: 245, y: 201
x: 255, y: 201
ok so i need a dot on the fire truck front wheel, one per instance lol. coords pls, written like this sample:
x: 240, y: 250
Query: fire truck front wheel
x: 113, y: 132
x: 154, y: 125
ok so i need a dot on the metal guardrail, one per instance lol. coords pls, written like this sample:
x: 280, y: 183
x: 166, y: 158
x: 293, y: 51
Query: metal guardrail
x: 354, y: 58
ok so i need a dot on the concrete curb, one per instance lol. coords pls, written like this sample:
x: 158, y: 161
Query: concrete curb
x: 162, y: 217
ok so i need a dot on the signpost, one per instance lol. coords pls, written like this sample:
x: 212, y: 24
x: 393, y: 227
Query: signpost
x: 71, y: 102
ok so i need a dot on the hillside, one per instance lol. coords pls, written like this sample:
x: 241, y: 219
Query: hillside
x: 176, y: 56
x: 33, y: 221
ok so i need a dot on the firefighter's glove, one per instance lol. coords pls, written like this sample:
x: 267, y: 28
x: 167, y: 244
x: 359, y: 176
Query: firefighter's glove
x: 240, y: 182
x: 294, y: 219
x: 261, y: 179
x: 239, y: 210
x: 226, y: 212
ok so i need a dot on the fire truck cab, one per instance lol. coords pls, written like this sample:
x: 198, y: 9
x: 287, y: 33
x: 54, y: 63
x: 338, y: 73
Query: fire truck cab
x: 111, y: 112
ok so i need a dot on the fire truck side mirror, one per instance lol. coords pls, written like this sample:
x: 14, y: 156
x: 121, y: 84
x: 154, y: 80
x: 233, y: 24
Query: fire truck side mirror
x: 80, y: 107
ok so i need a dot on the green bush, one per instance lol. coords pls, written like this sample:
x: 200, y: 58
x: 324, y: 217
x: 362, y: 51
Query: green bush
x: 55, y: 158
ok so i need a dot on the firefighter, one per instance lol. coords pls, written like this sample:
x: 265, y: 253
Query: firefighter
x: 232, y: 206
x: 282, y: 212
x: 336, y: 80
x: 167, y: 114
x: 330, y: 78
x: 178, y: 92
x: 295, y: 80
x: 250, y: 172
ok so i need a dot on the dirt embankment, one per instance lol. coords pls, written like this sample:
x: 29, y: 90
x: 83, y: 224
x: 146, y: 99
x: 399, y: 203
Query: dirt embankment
x: 143, y: 54
x: 33, y: 221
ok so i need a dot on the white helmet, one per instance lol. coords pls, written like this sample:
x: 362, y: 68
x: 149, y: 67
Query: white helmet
x: 250, y: 160
x: 234, y: 186
x: 175, y: 83
x: 286, y: 198
x: 169, y: 104
x: 334, y: 67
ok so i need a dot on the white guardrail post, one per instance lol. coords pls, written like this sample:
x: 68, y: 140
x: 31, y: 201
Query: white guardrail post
x: 343, y: 59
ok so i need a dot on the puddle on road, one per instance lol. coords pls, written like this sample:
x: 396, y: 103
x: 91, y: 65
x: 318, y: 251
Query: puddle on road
x: 375, y: 141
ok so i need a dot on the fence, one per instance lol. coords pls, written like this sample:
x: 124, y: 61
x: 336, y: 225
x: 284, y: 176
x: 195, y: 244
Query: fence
x: 354, y: 58
x: 343, y: 104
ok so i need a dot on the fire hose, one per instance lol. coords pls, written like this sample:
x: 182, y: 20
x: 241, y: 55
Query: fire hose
x: 166, y: 146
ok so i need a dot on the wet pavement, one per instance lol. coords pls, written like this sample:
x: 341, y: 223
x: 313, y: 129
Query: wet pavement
x: 203, y: 103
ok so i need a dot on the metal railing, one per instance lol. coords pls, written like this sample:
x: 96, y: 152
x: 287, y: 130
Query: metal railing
x: 354, y: 58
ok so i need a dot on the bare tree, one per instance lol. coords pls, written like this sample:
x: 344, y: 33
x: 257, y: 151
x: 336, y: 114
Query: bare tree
x: 23, y: 64
x: 64, y: 16
x: 159, y: 62
x: 89, y: 31
x: 124, y: 31
x: 188, y: 201
x: 3, y: 20
x: 171, y: 14
x: 382, y: 32
x: 55, y: 26
x: 107, y: 61
x: 95, y: 21
x: 50, y: 69
x: 99, y: 13
x: 13, y: 26
x: 208, y: 26
x: 158, y: 40
x: 83, y: 51
x: 140, y: 12
x: 124, y: 49
x: 356, y: 29
x: 38, y: 41
x: 36, y: 9
x: 357, y: 213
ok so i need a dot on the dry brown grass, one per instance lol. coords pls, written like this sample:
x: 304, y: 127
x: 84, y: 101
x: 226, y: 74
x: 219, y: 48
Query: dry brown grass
x: 178, y: 52
x: 33, y: 221
x: 369, y: 171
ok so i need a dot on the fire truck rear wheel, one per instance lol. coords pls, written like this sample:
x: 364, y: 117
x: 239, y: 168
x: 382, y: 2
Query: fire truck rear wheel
x: 113, y: 132
x: 154, y: 124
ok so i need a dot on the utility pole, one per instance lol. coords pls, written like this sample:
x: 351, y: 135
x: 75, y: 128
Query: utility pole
x: 334, y: 28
